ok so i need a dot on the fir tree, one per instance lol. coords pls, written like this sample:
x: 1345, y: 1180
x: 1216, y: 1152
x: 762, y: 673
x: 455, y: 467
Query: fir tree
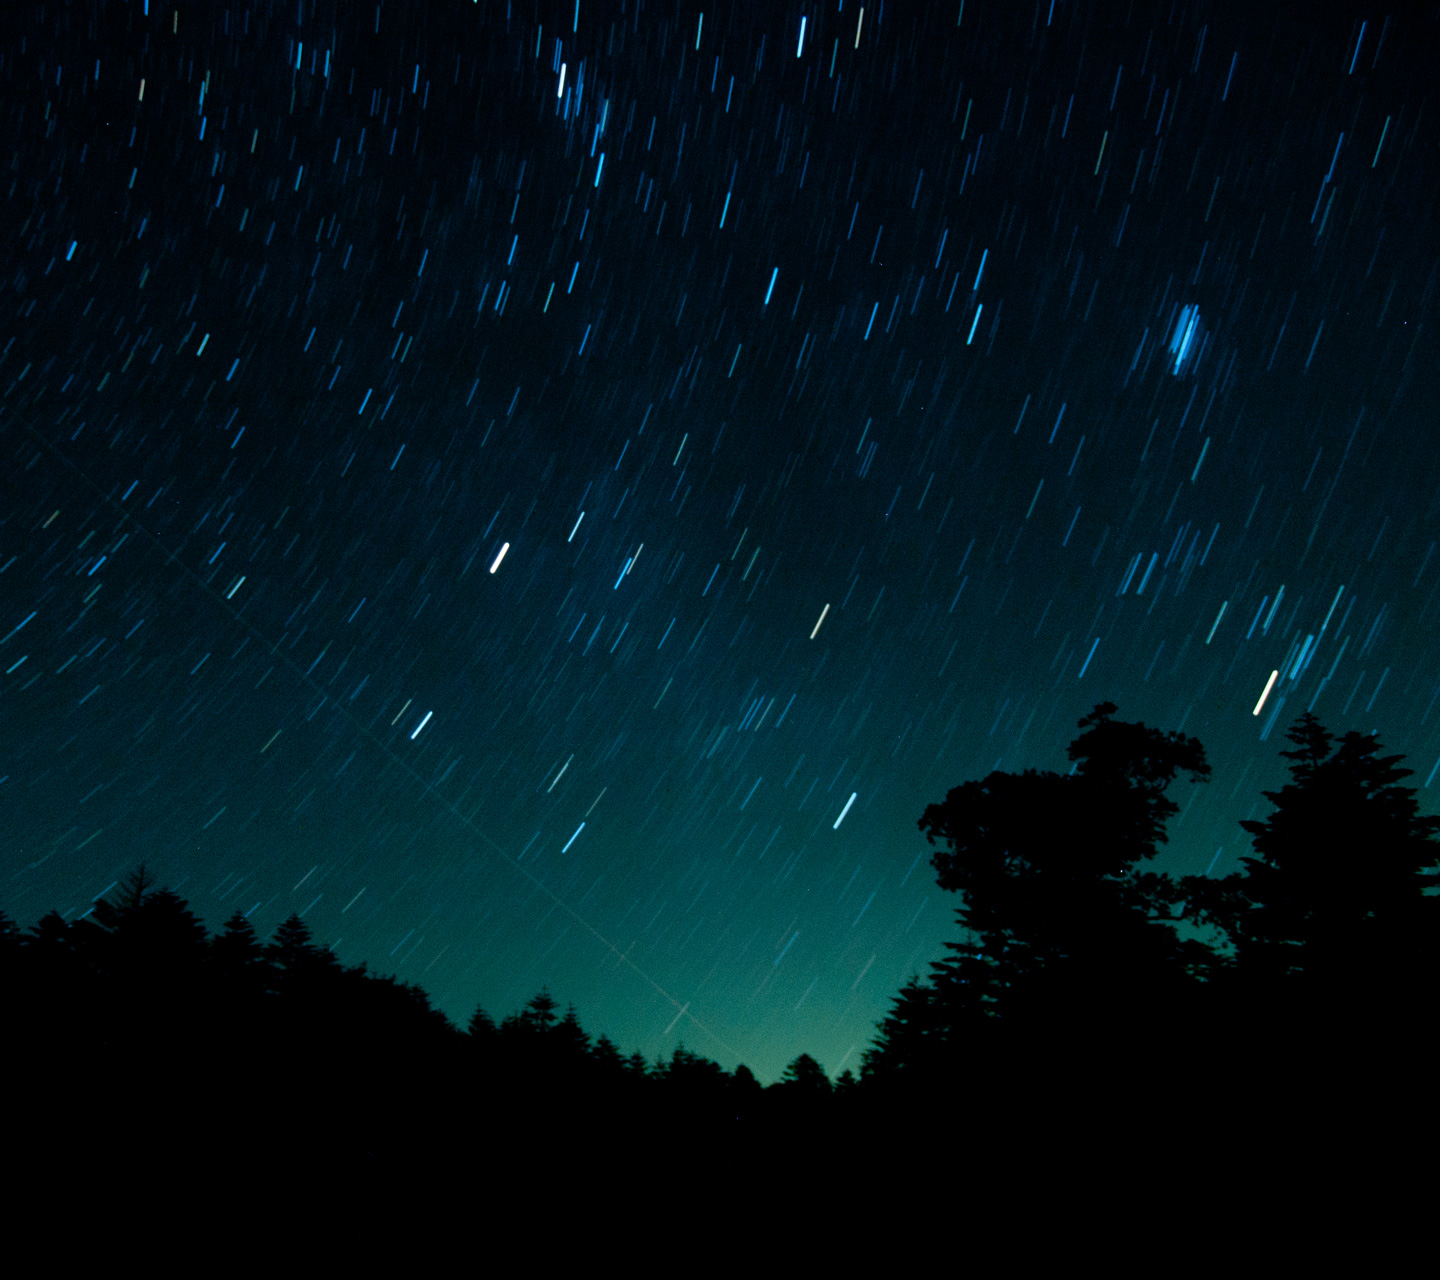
x: 482, y: 1029
x: 805, y: 1075
x: 1335, y: 912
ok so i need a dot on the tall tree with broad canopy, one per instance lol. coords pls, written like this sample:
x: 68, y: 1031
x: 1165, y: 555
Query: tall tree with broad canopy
x: 1064, y: 934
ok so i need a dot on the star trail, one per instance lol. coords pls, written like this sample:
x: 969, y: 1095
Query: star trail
x: 550, y: 492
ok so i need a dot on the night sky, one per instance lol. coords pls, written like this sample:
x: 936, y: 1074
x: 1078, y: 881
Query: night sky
x: 551, y: 493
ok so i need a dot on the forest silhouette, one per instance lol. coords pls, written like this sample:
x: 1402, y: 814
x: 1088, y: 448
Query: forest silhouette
x: 1086, y: 993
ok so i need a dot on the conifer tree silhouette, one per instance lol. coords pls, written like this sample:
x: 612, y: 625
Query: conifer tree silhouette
x: 1333, y: 919
x: 59, y: 999
x: 924, y: 1020
x: 145, y: 950
x: 238, y: 959
x: 129, y: 896
x: 296, y: 953
x: 571, y: 1044
x: 482, y: 1029
x: 310, y: 1018
x: 745, y: 1080
x: 534, y: 1021
x: 805, y: 1075
x: 608, y: 1060
x: 692, y: 1075
x: 745, y: 1095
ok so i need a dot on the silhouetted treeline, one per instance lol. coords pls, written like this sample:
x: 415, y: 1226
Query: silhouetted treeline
x: 137, y: 1005
x: 1083, y: 987
x: 1307, y: 979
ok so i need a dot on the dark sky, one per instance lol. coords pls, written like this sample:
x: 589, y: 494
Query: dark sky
x: 550, y: 494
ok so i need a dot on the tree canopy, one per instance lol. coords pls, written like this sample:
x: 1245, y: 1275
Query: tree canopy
x: 1059, y: 924
x: 1080, y: 973
x: 1336, y: 909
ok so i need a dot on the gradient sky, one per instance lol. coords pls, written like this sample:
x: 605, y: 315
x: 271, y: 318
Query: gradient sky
x: 550, y: 493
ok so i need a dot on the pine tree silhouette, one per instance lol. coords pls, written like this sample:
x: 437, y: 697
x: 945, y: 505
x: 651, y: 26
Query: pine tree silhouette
x: 238, y: 959
x: 915, y: 1036
x: 59, y: 999
x: 145, y: 950
x: 296, y: 953
x: 1333, y: 919
x: 572, y: 1045
x: 805, y: 1075
x: 538, y: 1016
x: 482, y: 1029
x: 607, y: 1057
